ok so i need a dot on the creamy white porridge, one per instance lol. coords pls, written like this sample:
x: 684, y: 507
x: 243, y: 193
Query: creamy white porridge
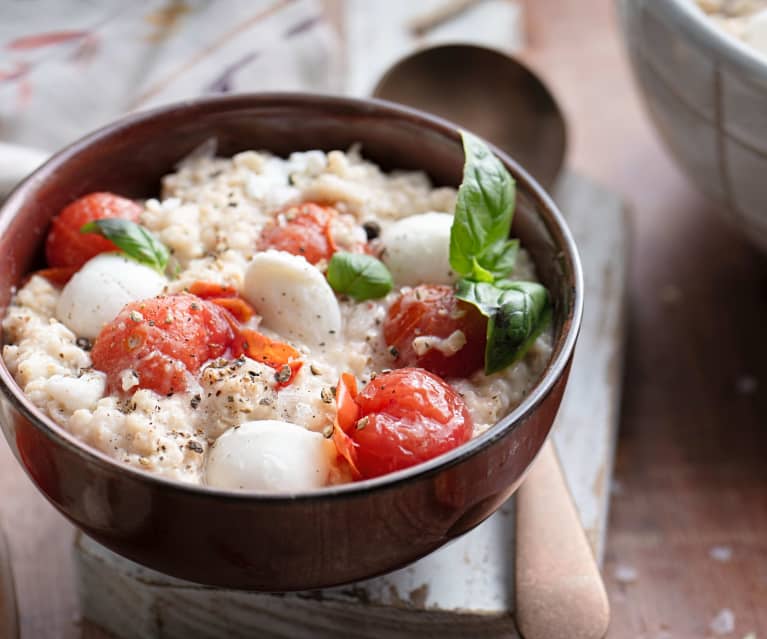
x: 212, y: 215
x: 744, y: 19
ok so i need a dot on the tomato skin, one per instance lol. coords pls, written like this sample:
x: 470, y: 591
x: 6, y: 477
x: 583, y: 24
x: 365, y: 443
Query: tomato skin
x: 434, y: 310
x: 266, y: 350
x: 225, y: 297
x: 66, y: 246
x: 305, y: 232
x: 56, y: 275
x: 347, y: 412
x: 163, y: 340
x: 407, y: 416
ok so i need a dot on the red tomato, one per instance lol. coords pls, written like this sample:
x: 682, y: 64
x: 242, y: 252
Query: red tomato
x: 225, y: 297
x: 56, y: 275
x: 275, y: 354
x: 66, y: 246
x: 162, y: 339
x: 305, y: 231
x: 429, y: 310
x: 406, y: 417
x: 347, y: 413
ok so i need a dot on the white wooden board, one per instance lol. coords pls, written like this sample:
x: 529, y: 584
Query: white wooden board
x: 462, y: 590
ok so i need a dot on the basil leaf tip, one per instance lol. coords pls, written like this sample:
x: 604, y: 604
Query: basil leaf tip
x: 137, y: 242
x: 484, y: 209
x: 359, y: 276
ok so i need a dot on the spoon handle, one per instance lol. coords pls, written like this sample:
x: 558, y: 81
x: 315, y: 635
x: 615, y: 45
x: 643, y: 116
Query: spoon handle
x: 9, y: 621
x: 559, y: 592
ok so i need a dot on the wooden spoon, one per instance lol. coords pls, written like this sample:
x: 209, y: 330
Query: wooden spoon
x: 559, y: 591
x: 488, y: 92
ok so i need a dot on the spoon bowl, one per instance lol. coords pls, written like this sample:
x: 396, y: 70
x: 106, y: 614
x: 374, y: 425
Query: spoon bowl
x: 488, y: 92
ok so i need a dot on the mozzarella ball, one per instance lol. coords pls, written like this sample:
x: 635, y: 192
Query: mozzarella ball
x: 98, y: 291
x: 417, y: 249
x: 293, y: 298
x: 269, y: 456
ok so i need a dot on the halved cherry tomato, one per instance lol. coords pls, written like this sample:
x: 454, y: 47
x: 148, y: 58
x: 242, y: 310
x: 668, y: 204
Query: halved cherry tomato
x: 162, y: 340
x: 301, y: 230
x: 66, y: 246
x: 248, y: 342
x: 407, y: 416
x: 224, y: 296
x: 429, y: 311
x: 347, y: 413
x: 274, y: 354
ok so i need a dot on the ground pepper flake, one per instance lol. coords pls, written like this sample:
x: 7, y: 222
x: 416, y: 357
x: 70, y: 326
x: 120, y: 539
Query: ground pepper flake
x: 283, y: 374
x: 194, y: 446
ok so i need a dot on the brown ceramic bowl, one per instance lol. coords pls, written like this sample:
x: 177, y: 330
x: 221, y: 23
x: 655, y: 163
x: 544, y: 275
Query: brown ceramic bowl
x: 283, y: 542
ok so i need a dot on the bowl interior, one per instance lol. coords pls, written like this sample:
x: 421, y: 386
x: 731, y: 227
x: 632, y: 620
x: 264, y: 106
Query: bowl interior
x: 131, y: 156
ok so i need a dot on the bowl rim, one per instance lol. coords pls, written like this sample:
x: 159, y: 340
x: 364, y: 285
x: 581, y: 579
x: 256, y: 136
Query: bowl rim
x: 302, y: 100
x: 687, y: 15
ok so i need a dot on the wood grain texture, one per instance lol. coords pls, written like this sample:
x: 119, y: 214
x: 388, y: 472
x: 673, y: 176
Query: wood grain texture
x: 586, y: 429
x: 690, y: 471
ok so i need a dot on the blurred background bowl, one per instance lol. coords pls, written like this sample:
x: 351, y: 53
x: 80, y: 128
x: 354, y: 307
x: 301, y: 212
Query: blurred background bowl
x: 706, y: 92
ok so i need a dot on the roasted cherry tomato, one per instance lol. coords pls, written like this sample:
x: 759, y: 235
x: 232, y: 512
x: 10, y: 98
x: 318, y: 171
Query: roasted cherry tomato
x: 66, y: 246
x: 225, y: 297
x: 301, y: 230
x: 421, y: 326
x: 282, y: 357
x: 56, y: 275
x: 406, y: 417
x: 162, y: 340
x: 347, y: 413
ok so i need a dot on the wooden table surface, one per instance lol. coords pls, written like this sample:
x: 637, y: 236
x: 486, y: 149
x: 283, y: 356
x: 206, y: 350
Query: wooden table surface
x: 690, y: 473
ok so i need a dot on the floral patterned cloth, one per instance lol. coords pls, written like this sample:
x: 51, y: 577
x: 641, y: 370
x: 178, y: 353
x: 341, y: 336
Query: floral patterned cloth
x: 68, y: 66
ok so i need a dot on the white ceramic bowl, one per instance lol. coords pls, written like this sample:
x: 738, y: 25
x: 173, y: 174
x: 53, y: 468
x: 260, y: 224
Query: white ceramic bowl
x: 707, y: 95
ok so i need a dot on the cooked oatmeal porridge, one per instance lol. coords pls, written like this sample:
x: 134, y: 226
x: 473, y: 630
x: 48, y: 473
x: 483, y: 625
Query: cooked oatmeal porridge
x: 284, y: 324
x: 744, y: 19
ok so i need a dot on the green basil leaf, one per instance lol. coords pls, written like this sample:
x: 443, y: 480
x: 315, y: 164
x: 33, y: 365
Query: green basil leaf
x: 499, y: 258
x: 358, y: 275
x: 480, y: 274
x: 133, y: 239
x: 483, y: 295
x: 517, y: 313
x: 483, y: 214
